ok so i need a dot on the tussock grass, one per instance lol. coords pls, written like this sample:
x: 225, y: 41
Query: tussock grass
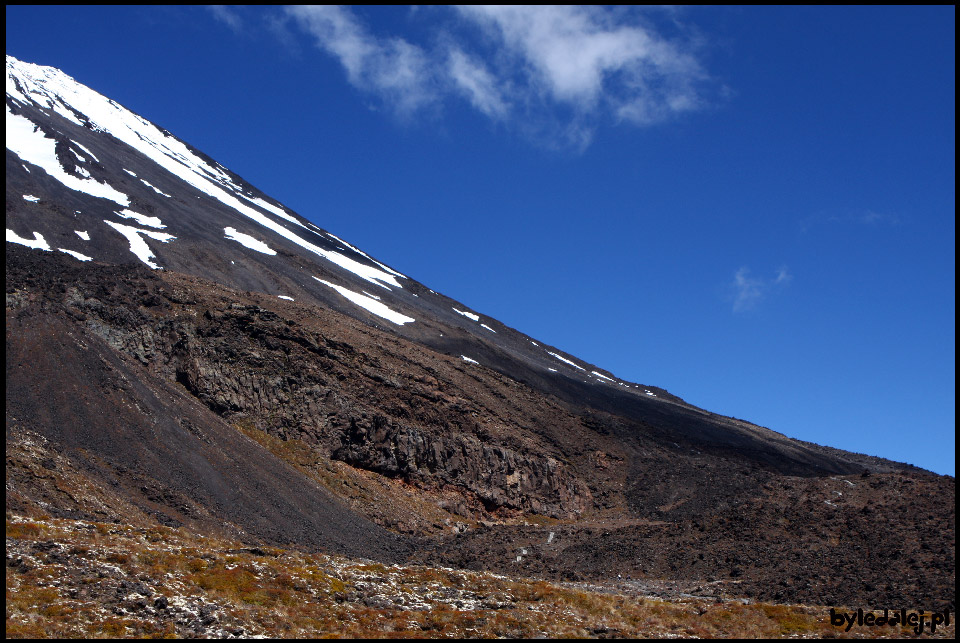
x: 88, y: 580
x: 385, y: 501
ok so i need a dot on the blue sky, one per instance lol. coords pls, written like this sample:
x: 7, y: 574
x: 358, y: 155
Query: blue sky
x: 750, y: 207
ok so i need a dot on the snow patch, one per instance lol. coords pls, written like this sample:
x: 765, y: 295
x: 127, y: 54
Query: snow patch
x: 488, y: 328
x: 142, y: 219
x: 42, y: 85
x: 467, y: 359
x: 33, y: 146
x: 364, y: 254
x: 88, y: 152
x: 30, y: 198
x: 564, y: 359
x: 66, y: 113
x: 152, y: 187
x: 372, y: 305
x: 248, y: 241
x: 285, y: 297
x: 466, y: 314
x: 138, y: 246
x: 37, y: 242
x: 83, y: 234
x: 371, y: 274
x: 269, y: 207
x: 76, y: 255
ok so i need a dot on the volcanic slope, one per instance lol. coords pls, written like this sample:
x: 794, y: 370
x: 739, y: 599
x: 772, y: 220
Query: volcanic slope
x: 276, y: 383
x: 89, y: 178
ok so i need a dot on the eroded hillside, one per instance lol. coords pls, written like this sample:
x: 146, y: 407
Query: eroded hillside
x: 154, y: 398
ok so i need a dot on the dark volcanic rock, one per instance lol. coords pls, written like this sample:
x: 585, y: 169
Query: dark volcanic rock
x: 193, y: 396
x: 125, y: 429
x: 499, y: 477
x: 126, y: 387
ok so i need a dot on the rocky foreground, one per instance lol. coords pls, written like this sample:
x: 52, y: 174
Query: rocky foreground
x: 72, y: 578
x: 150, y: 398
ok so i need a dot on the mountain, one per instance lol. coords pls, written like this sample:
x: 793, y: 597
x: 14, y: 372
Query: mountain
x: 185, y: 350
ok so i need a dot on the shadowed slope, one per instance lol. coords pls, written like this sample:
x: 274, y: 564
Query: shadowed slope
x: 156, y: 446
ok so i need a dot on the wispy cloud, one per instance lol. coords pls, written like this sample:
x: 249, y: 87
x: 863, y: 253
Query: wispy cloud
x: 850, y: 218
x: 783, y: 276
x: 392, y: 68
x: 551, y: 71
x: 473, y: 79
x: 749, y: 290
x: 878, y: 218
x: 582, y: 57
x: 223, y: 13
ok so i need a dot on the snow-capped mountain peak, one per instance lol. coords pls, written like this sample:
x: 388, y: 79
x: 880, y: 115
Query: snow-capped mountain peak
x: 142, y: 195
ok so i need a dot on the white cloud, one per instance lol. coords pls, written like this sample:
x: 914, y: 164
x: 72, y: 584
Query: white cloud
x: 783, y: 276
x: 749, y: 290
x: 393, y: 68
x: 479, y: 86
x: 227, y: 16
x: 876, y: 218
x: 581, y: 57
x: 552, y: 73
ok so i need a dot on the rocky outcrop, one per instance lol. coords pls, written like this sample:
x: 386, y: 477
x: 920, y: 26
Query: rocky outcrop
x: 499, y: 477
x: 247, y: 363
x: 133, y: 396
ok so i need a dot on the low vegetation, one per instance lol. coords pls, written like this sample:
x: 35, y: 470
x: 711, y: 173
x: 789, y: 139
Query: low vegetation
x: 69, y: 578
x: 390, y: 503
